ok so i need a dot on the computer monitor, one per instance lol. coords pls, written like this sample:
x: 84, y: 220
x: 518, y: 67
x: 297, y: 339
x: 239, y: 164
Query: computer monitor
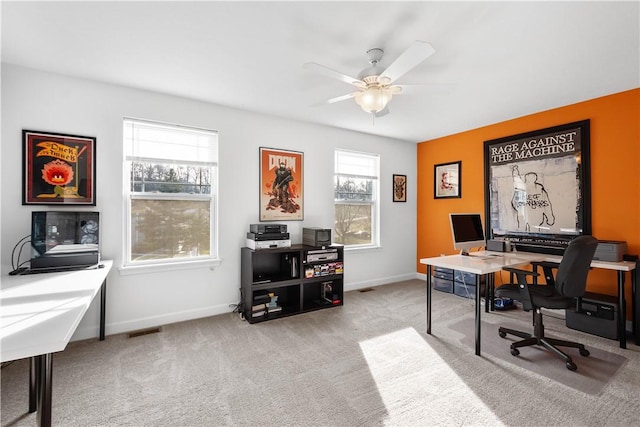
x: 65, y: 239
x: 467, y: 231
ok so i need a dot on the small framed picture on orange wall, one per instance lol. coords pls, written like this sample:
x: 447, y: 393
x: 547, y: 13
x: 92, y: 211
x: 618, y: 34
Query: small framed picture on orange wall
x: 447, y: 180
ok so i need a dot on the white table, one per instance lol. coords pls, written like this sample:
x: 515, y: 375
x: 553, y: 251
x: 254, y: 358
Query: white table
x: 40, y: 313
x: 481, y: 265
x: 486, y: 263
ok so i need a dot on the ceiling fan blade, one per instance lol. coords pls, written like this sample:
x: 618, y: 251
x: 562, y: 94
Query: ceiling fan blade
x: 415, y: 54
x: 321, y: 69
x: 336, y: 99
x: 340, y: 98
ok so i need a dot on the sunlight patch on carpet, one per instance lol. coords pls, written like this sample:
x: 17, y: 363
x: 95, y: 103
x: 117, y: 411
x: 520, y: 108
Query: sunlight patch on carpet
x: 412, y: 378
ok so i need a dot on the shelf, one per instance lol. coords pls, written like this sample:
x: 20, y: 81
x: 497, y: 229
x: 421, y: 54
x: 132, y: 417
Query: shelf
x: 282, y: 273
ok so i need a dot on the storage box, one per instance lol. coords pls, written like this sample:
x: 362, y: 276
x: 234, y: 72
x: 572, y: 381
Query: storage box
x: 468, y: 278
x: 465, y: 284
x: 464, y: 290
x: 442, y: 284
x: 597, y: 315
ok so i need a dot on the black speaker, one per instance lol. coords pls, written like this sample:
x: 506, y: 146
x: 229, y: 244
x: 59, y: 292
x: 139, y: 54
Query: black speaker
x: 595, y: 314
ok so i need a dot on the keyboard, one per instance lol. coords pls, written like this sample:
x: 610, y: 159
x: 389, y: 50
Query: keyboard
x: 546, y: 248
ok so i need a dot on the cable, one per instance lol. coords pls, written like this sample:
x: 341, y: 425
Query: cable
x: 237, y: 308
x: 20, y: 253
x: 13, y: 252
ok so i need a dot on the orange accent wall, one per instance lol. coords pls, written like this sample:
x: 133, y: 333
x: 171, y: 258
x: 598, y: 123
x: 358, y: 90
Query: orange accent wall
x: 615, y: 176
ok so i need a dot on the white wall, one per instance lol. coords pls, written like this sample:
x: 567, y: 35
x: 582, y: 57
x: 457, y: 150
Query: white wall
x: 46, y: 102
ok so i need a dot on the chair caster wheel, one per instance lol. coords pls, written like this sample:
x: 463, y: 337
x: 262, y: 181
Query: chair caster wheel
x: 502, y: 334
x: 584, y: 352
x: 571, y: 366
x: 515, y: 352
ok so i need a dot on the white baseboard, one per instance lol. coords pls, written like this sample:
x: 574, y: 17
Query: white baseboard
x: 151, y: 322
x: 378, y: 282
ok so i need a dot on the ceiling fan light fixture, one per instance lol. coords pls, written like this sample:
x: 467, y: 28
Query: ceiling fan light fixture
x: 373, y: 99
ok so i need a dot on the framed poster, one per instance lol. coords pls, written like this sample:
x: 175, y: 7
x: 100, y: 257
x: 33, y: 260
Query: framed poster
x: 446, y: 178
x: 281, y: 185
x: 58, y: 169
x: 399, y: 188
x: 538, y: 183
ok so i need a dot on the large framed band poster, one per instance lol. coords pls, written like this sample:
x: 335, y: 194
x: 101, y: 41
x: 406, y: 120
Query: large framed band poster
x: 538, y: 183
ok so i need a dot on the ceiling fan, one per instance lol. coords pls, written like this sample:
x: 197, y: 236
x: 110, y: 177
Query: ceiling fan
x: 375, y: 83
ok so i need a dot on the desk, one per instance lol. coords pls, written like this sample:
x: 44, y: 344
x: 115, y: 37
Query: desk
x: 40, y: 313
x: 620, y: 267
x: 480, y: 266
x: 486, y: 264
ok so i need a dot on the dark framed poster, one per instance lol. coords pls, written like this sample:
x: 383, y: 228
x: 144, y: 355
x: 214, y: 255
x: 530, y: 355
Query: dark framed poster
x: 281, y: 185
x: 58, y: 169
x: 399, y: 188
x: 538, y: 183
x: 446, y: 178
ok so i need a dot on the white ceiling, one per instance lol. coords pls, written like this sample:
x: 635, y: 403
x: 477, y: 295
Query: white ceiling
x: 494, y: 61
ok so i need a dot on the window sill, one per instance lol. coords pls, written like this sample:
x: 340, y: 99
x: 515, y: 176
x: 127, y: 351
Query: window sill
x: 362, y: 248
x: 168, y: 266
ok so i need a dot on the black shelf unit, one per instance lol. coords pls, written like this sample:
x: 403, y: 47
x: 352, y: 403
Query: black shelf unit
x: 300, y: 276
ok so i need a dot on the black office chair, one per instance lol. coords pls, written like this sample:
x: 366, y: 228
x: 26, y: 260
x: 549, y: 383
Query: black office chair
x: 560, y: 292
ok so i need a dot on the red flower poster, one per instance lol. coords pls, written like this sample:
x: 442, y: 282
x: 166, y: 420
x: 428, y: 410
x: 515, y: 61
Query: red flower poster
x: 58, y: 169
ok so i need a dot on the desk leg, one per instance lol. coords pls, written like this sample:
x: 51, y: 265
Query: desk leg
x: 488, y: 293
x: 635, y: 309
x: 428, y: 299
x: 33, y: 384
x: 478, y: 311
x: 103, y: 306
x: 45, y: 365
x: 622, y: 318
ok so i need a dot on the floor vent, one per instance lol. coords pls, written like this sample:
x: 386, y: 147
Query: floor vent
x: 365, y: 290
x: 142, y: 332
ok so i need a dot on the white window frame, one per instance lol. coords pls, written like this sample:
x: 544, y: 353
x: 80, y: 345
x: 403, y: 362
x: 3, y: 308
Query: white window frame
x: 374, y: 203
x: 133, y: 267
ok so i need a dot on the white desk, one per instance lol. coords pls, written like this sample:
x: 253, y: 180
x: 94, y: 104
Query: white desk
x: 486, y: 265
x: 620, y: 267
x: 40, y: 313
x: 480, y: 266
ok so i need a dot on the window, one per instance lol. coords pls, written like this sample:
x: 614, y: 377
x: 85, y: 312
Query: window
x: 356, y: 199
x: 170, y: 188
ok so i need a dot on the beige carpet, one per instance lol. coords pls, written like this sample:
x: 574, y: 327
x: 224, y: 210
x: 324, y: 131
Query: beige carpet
x: 367, y: 363
x: 593, y: 374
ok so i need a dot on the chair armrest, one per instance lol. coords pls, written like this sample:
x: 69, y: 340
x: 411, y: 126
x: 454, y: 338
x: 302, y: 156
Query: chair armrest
x: 517, y: 271
x: 523, y: 285
x: 546, y: 264
x: 547, y: 269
